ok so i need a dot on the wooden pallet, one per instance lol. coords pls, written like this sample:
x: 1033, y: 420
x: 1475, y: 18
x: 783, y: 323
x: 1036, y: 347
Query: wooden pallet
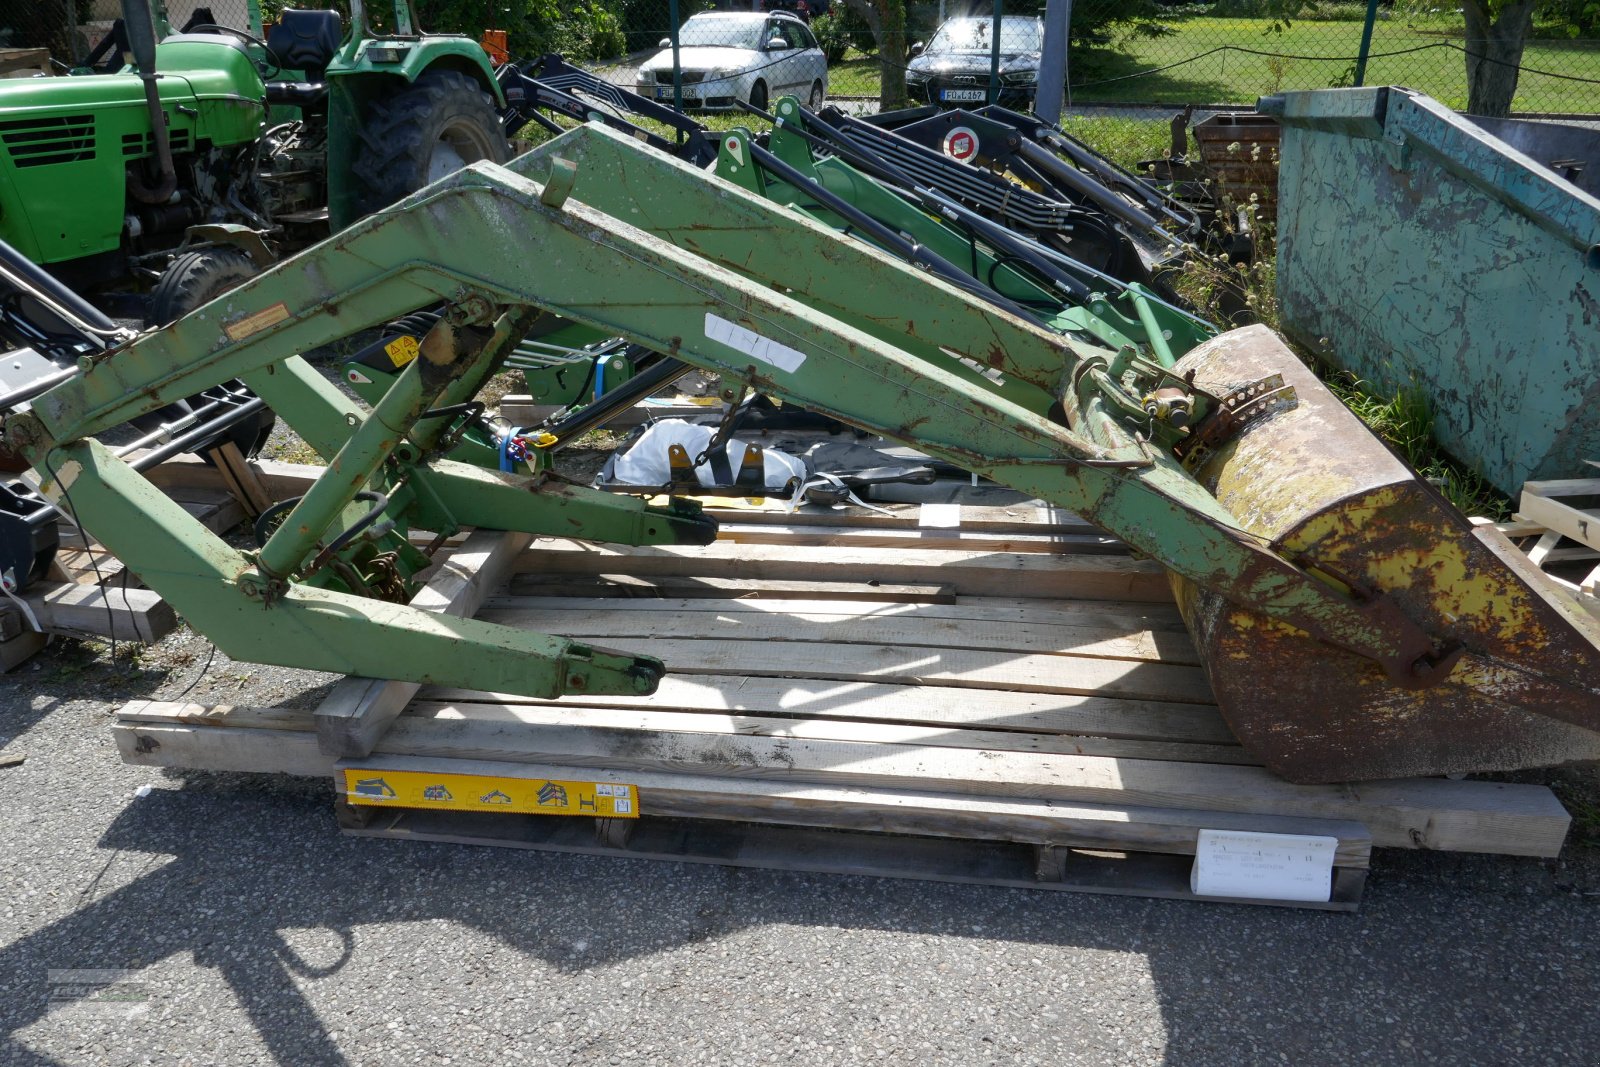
x: 1005, y: 702
x: 1558, y: 526
x: 88, y: 593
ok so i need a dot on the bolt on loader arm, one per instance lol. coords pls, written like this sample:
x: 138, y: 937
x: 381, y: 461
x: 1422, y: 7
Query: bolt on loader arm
x: 882, y: 346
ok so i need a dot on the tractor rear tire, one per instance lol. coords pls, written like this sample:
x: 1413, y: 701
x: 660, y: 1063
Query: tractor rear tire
x: 193, y: 279
x: 438, y: 125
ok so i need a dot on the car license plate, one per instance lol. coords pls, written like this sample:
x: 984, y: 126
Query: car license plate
x: 664, y: 92
x: 962, y: 94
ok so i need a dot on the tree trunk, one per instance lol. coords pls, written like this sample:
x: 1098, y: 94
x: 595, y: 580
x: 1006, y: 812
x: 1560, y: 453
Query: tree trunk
x: 887, y: 21
x: 1494, y: 53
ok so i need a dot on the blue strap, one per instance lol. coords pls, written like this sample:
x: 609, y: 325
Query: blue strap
x: 507, y: 464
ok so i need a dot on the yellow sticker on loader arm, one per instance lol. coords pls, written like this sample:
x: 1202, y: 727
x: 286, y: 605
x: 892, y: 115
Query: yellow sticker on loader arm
x: 402, y: 350
x: 477, y: 792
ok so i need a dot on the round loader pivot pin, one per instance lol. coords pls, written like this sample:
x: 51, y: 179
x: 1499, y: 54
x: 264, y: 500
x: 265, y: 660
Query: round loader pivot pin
x: 961, y: 143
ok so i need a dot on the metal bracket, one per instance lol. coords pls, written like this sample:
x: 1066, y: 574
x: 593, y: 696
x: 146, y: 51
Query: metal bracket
x: 1232, y: 414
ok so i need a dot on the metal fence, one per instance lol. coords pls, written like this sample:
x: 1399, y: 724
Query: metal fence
x: 1234, y: 51
x: 1126, y: 61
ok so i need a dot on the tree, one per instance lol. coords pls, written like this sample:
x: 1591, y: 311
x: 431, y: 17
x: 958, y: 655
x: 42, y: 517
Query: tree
x: 887, y: 18
x: 1496, y: 33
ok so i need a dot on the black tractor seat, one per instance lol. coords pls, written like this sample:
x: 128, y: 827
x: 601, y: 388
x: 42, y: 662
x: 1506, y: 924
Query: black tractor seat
x: 305, y: 41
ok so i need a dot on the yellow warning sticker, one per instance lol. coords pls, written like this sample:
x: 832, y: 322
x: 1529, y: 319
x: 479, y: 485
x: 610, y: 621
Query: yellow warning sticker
x: 402, y: 350
x: 477, y: 792
x: 252, y: 324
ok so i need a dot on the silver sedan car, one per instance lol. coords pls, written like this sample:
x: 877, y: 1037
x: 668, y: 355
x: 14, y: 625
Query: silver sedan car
x: 729, y: 56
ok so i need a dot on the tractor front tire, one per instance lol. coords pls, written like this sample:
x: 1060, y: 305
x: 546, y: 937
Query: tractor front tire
x: 193, y: 279
x: 438, y: 125
x: 196, y: 278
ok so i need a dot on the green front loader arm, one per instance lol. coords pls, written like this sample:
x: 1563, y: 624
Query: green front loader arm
x: 488, y: 242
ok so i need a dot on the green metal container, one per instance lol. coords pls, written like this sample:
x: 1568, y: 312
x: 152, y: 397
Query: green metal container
x: 1415, y: 249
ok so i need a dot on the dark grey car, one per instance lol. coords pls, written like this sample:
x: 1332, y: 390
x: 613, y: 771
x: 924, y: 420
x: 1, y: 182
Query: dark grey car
x: 952, y: 70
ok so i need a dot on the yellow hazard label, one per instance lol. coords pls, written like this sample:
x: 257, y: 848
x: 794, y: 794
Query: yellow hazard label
x: 252, y: 324
x: 402, y: 350
x: 476, y: 792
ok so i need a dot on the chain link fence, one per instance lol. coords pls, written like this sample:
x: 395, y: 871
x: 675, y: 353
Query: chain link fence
x: 1234, y: 51
x: 1130, y: 63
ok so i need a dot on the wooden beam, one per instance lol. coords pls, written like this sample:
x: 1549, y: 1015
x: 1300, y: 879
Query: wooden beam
x: 103, y: 611
x: 825, y: 632
x: 885, y: 811
x: 618, y: 587
x: 973, y: 573
x: 980, y: 611
x: 354, y: 715
x: 1432, y: 813
x: 242, y: 480
x: 788, y: 699
x: 650, y: 719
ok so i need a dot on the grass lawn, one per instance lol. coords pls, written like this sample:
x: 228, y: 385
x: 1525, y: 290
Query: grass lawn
x: 1235, y: 77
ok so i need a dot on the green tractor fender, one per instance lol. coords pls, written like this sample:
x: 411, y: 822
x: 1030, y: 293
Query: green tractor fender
x: 397, y: 109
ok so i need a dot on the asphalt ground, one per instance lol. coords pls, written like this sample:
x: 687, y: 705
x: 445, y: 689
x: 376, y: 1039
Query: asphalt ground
x: 155, y: 917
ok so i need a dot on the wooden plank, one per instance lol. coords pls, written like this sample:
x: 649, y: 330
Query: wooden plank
x: 919, y: 665
x: 785, y: 848
x: 980, y: 610
x: 280, y: 480
x: 878, y: 733
x: 1580, y: 524
x: 358, y: 710
x: 1433, y: 813
x: 623, y: 587
x: 930, y: 814
x: 15, y: 59
x: 1003, y: 574
x: 18, y: 650
x: 830, y: 631
x: 241, y: 478
x: 790, y: 698
x: 104, y: 611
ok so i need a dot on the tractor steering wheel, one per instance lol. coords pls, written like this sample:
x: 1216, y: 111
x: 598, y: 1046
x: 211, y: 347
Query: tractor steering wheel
x: 272, y: 57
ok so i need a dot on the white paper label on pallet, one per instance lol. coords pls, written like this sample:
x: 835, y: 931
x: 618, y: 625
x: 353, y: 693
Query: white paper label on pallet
x: 1237, y: 863
x: 939, y: 516
x: 768, y: 351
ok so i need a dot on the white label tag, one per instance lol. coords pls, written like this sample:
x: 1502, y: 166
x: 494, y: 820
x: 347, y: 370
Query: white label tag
x: 1236, y: 863
x: 751, y: 343
x: 939, y: 516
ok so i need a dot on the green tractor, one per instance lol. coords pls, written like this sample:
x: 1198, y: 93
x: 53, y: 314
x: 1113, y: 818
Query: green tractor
x: 218, y: 150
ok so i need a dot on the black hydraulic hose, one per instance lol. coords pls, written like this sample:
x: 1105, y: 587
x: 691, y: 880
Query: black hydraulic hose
x: 30, y: 274
x: 996, y: 235
x: 198, y: 435
x: 36, y: 389
x: 888, y: 237
x: 1004, y: 241
x: 1107, y: 200
x: 182, y: 443
x: 834, y: 141
x: 1081, y: 154
x: 624, y: 396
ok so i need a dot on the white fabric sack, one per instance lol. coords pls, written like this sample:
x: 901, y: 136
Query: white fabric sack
x: 646, y: 463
